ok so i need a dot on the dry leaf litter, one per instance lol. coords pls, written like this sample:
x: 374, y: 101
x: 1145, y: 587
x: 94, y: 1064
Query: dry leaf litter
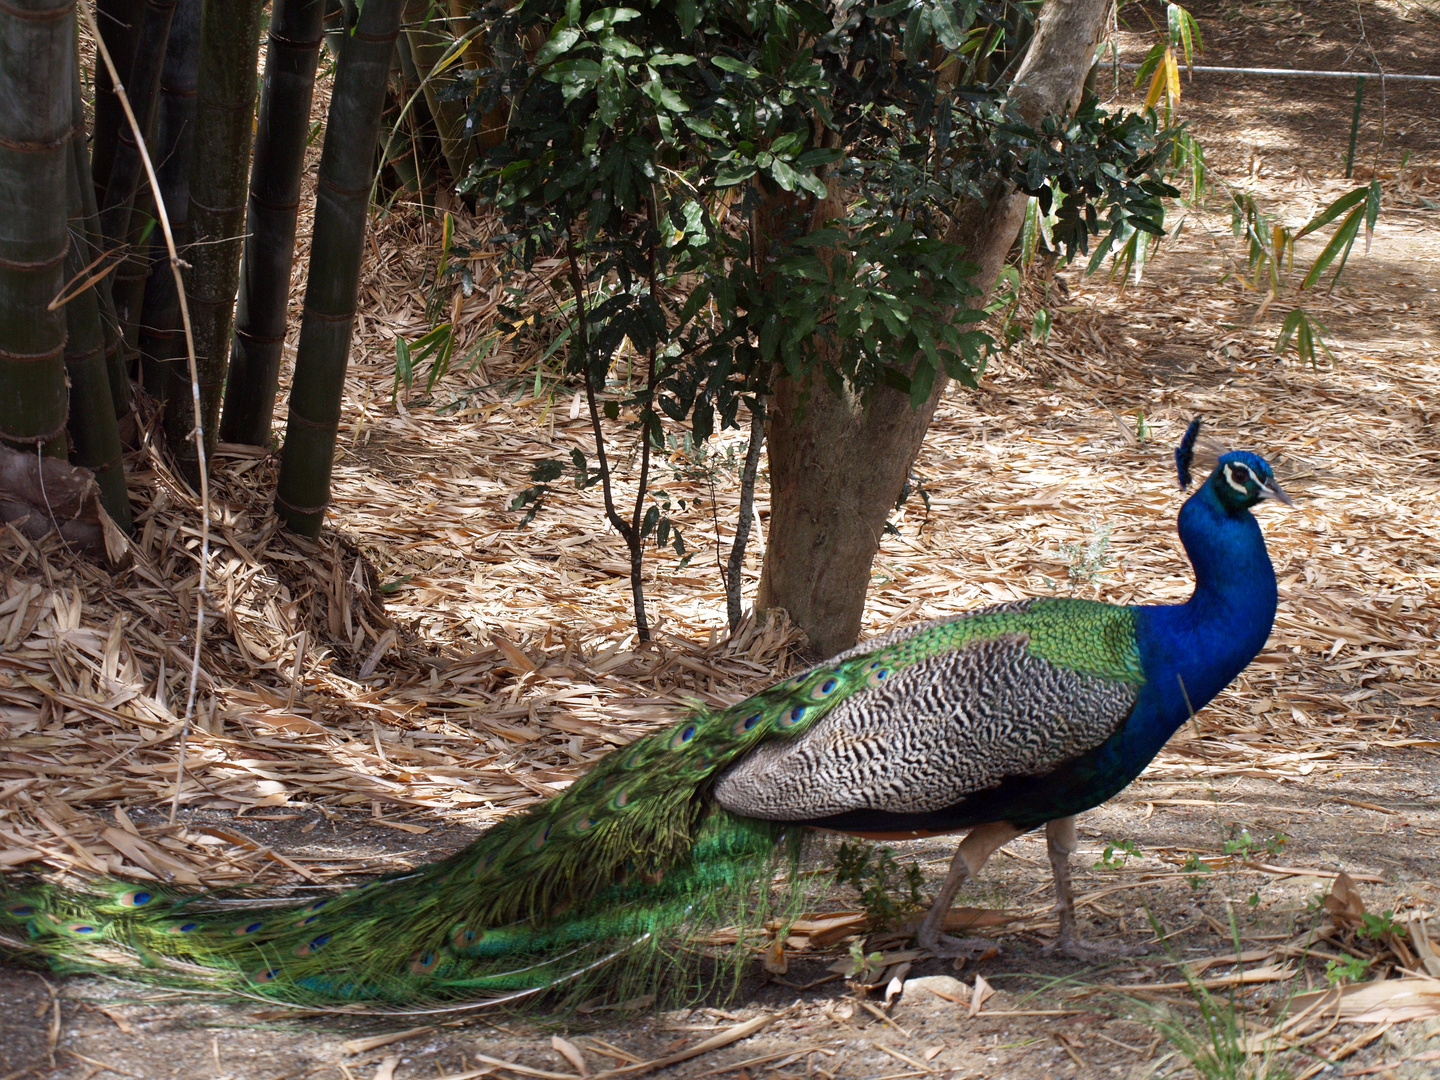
x: 430, y: 658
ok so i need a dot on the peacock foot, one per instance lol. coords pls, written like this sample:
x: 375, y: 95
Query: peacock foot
x: 1077, y: 948
x: 949, y: 947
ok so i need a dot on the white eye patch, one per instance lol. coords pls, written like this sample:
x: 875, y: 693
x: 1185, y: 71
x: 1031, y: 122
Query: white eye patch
x: 1236, y: 476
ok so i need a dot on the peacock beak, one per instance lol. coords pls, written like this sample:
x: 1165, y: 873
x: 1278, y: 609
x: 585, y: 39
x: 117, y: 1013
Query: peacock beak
x: 1269, y: 489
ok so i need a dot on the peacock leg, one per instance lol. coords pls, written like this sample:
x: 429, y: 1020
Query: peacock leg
x: 1060, y: 843
x: 982, y: 842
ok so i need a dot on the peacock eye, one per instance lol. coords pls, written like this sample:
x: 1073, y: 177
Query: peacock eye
x: 878, y: 675
x: 826, y: 688
x: 464, y: 936
x: 314, y: 945
x: 1237, y: 476
x: 792, y: 717
x: 742, y: 726
x: 423, y: 962
x: 683, y: 736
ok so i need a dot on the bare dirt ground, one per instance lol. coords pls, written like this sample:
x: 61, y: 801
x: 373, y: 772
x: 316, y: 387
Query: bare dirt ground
x: 1322, y: 758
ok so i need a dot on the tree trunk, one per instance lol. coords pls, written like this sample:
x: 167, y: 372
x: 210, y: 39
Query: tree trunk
x: 162, y: 338
x: 347, y: 170
x: 219, y: 175
x: 281, y: 136
x: 837, y: 466
x: 36, y: 43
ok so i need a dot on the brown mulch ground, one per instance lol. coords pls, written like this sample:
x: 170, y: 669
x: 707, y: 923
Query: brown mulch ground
x: 369, y: 700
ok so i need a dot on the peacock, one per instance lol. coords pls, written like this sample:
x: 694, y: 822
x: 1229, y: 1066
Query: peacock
x: 993, y: 723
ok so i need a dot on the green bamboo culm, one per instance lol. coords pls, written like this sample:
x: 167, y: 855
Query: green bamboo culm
x: 127, y: 211
x: 347, y: 171
x: 119, y: 23
x: 117, y: 375
x: 411, y: 145
x: 36, y: 41
x: 219, y: 175
x: 163, y: 368
x: 94, y: 433
x: 281, y: 135
x: 428, y: 39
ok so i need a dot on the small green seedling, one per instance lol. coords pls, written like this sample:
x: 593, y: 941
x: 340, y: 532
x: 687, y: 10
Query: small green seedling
x: 1195, y: 867
x: 1377, y: 926
x: 887, y: 891
x: 1117, y: 853
x: 1351, y: 969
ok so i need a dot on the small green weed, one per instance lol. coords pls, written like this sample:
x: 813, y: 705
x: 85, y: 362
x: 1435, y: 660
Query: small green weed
x: 862, y: 965
x: 1085, y: 560
x: 1239, y: 843
x: 1350, y: 969
x: 1216, y: 1040
x: 1117, y: 853
x: 1195, y: 867
x: 887, y: 891
x: 1377, y: 926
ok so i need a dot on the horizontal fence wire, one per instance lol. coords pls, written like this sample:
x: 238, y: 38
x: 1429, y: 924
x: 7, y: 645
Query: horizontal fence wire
x: 1388, y: 77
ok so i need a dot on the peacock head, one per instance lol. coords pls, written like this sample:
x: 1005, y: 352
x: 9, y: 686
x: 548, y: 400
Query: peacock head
x: 1240, y: 480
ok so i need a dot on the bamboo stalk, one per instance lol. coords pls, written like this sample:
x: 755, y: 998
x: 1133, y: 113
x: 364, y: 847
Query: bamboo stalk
x: 119, y: 22
x: 425, y: 32
x: 412, y: 146
x: 339, y: 17
x: 491, y: 131
x: 127, y: 208
x: 117, y: 376
x: 280, y: 140
x: 162, y: 337
x: 224, y: 111
x: 36, y: 42
x: 94, y: 434
x: 347, y: 170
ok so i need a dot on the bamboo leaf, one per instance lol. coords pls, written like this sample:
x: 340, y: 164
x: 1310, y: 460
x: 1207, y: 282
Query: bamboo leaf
x: 1172, y: 76
x: 1334, y: 210
x: 1157, y: 82
x: 1339, y: 246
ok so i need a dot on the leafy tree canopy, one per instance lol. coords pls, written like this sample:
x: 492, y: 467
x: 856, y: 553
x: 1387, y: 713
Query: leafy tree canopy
x: 745, y: 187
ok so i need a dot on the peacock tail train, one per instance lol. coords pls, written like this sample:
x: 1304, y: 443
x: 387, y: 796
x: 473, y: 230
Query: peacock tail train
x: 634, y: 857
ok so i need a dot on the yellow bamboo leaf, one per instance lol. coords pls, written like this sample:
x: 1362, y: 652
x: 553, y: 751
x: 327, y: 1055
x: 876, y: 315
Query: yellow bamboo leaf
x: 1157, y: 86
x: 452, y: 59
x: 1172, y: 76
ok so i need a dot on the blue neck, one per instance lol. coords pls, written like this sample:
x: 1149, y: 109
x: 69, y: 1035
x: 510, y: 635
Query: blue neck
x: 1192, y: 651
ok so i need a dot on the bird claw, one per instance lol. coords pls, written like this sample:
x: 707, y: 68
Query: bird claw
x: 948, y: 947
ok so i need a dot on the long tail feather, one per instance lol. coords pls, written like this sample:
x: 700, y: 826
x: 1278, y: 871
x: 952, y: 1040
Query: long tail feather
x: 609, y: 869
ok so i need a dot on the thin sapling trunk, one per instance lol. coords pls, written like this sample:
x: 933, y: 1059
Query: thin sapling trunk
x: 629, y: 532
x: 732, y: 571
